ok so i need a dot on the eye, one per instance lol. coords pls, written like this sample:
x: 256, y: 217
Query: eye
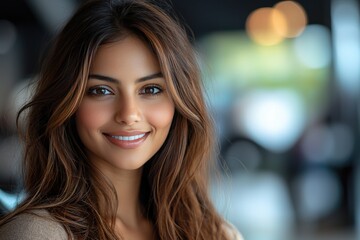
x: 151, y: 90
x: 99, y: 91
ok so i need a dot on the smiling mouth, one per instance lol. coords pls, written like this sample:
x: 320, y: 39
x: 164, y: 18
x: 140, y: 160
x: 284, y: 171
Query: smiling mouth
x: 129, y: 138
x: 127, y: 141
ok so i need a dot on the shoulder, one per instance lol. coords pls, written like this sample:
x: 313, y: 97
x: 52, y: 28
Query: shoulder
x: 31, y: 226
x: 232, y: 231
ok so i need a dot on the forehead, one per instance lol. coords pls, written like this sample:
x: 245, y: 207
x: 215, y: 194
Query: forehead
x: 126, y: 54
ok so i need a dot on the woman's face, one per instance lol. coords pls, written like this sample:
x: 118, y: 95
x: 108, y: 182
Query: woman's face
x: 126, y: 114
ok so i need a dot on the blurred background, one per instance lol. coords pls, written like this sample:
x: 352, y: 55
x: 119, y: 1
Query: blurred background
x: 282, y: 80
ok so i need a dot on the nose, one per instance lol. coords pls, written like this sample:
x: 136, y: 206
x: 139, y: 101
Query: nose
x: 128, y: 111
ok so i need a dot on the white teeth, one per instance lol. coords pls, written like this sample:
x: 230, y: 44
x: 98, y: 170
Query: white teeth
x: 129, y: 138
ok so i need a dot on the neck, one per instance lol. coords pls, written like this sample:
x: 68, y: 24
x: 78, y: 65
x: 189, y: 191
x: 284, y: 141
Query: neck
x: 130, y: 221
x: 127, y: 186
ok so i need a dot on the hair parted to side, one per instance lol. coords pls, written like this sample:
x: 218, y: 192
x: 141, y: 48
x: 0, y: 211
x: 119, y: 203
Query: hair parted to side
x: 58, y: 176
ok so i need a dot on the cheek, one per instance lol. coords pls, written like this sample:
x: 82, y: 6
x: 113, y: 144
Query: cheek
x: 91, y: 116
x: 161, y: 115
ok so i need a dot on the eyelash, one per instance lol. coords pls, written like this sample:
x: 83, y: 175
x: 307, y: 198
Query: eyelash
x: 95, y: 91
x: 158, y: 90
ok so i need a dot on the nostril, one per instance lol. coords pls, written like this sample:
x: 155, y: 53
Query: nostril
x: 127, y: 118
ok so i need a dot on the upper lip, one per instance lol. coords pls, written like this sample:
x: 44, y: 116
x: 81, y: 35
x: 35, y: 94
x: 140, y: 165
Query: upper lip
x: 126, y: 133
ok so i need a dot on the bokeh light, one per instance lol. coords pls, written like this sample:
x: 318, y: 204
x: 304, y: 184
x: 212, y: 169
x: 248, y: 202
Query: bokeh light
x: 261, y: 28
x: 313, y: 47
x: 318, y: 193
x: 346, y: 37
x: 273, y: 118
x: 257, y: 202
x: 328, y: 144
x: 270, y: 25
x: 295, y: 19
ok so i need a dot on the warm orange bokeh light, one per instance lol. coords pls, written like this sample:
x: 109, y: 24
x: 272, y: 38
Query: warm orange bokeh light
x: 295, y: 17
x: 260, y: 26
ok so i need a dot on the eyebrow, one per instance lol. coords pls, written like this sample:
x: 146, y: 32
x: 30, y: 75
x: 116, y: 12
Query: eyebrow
x: 114, y: 80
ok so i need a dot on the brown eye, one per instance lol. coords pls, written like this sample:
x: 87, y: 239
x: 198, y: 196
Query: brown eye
x: 151, y: 90
x: 99, y: 91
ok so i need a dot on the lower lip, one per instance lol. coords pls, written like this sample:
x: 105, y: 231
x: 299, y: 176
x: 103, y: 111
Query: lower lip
x: 127, y: 144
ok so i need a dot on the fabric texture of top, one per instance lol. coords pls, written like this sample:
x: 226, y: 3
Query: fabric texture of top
x: 38, y: 225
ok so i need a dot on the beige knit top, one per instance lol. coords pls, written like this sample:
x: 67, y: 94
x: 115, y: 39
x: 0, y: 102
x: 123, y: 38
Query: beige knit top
x: 41, y: 226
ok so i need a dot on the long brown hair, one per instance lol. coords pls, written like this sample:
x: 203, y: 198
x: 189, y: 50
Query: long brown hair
x: 58, y: 176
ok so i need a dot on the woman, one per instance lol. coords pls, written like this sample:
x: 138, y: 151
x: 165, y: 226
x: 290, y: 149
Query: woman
x: 118, y: 138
